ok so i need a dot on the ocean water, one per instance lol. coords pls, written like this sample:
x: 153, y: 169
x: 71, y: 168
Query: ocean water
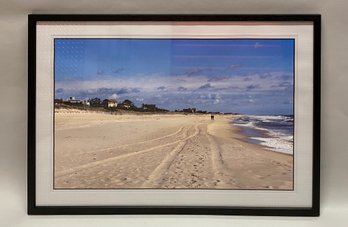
x: 274, y: 132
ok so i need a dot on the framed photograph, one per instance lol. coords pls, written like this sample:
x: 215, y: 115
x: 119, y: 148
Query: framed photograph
x: 174, y: 114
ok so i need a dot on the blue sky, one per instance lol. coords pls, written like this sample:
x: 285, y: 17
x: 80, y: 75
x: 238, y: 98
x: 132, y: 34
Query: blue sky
x: 244, y: 76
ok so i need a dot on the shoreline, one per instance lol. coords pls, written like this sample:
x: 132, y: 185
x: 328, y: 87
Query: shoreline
x: 266, y: 137
x: 171, y: 150
x: 237, y: 131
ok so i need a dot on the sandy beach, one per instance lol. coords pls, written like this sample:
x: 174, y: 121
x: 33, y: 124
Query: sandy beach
x: 102, y: 150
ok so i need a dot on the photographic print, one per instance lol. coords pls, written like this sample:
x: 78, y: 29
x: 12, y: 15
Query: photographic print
x: 174, y: 113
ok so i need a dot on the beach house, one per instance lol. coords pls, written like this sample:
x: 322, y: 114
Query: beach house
x: 127, y: 104
x: 86, y: 102
x: 95, y: 102
x: 73, y: 101
x: 58, y: 101
x: 149, y: 107
x: 109, y: 103
x: 189, y: 110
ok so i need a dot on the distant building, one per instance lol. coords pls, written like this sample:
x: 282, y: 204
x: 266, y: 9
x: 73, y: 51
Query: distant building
x: 149, y: 107
x: 58, y: 101
x: 86, y: 102
x: 127, y: 104
x: 189, y: 110
x: 109, y: 103
x: 95, y: 102
x: 72, y: 100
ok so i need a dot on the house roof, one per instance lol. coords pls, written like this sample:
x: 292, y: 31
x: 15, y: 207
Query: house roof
x: 110, y: 100
x: 127, y: 101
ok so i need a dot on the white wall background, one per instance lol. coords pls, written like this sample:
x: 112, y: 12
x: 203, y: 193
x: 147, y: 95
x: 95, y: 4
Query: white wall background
x: 13, y: 100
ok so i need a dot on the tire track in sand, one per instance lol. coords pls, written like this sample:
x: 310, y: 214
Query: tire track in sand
x: 142, y: 142
x: 218, y: 166
x: 155, y: 178
x: 111, y: 159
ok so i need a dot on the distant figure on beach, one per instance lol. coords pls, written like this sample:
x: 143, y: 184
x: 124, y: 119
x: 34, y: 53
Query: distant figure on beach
x: 212, y: 117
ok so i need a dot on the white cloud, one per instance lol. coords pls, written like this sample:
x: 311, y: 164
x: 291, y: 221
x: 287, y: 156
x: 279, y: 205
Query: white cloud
x: 146, y: 86
x: 113, y: 96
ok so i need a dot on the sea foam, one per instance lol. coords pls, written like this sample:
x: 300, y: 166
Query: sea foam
x: 277, y: 131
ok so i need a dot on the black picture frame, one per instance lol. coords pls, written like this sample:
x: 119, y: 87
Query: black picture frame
x: 34, y: 209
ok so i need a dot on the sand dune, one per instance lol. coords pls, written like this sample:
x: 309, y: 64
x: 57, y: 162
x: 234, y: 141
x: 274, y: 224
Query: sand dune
x: 100, y: 150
